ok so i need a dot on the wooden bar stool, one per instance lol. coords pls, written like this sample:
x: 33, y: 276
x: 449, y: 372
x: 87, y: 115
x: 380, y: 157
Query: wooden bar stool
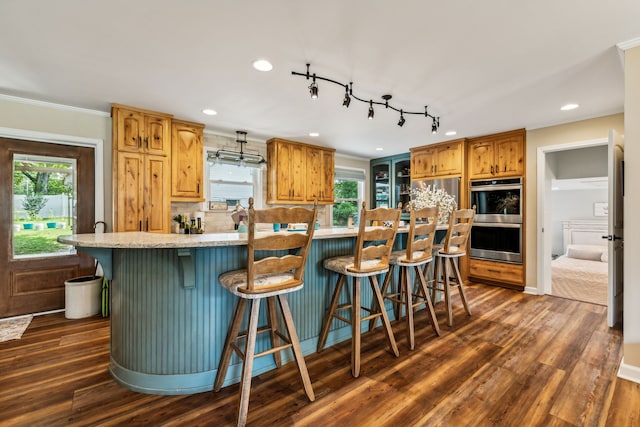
x: 416, y: 256
x: 371, y: 258
x: 270, y: 277
x: 454, y: 247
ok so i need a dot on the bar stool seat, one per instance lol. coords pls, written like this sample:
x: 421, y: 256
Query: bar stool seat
x: 370, y: 258
x: 271, y: 277
x: 417, y: 256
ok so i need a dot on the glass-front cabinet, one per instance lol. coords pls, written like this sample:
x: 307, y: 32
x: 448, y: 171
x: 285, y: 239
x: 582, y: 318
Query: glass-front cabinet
x: 391, y: 182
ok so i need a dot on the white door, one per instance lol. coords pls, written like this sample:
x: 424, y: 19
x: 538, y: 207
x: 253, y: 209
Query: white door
x: 616, y: 227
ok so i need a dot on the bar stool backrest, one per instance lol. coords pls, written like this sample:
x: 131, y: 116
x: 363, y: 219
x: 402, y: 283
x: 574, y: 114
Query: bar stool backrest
x: 421, y: 234
x: 458, y: 233
x: 376, y: 234
x: 272, y: 260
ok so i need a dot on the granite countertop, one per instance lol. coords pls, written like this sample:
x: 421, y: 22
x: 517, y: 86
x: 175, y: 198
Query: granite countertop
x: 141, y: 240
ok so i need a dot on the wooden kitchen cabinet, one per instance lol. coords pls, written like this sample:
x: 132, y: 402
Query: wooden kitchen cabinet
x: 186, y: 161
x: 299, y: 173
x: 141, y: 131
x: 141, y: 169
x: 437, y: 160
x: 320, y: 175
x: 141, y: 193
x: 500, y: 273
x: 499, y: 155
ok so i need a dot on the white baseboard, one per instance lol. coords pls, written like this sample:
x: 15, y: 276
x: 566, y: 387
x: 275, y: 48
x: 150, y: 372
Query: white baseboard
x: 531, y: 290
x: 629, y: 372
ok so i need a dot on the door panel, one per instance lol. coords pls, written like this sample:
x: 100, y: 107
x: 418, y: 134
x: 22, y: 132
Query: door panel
x: 30, y: 284
x: 616, y: 228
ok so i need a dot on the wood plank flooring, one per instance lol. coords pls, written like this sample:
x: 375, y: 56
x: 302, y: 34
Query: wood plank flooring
x: 519, y: 360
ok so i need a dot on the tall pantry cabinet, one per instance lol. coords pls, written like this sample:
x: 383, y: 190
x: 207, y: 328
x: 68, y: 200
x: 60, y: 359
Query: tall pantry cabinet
x: 156, y: 160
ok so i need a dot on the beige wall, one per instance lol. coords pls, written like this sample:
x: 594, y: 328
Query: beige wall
x: 556, y: 135
x: 631, y: 208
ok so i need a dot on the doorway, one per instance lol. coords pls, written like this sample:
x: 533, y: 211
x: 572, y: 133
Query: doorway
x: 33, y: 267
x: 598, y: 228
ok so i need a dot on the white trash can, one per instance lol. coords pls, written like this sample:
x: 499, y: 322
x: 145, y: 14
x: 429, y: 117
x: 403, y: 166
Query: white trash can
x: 82, y: 296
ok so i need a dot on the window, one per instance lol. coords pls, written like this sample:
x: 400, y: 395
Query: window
x: 348, y: 194
x: 235, y: 184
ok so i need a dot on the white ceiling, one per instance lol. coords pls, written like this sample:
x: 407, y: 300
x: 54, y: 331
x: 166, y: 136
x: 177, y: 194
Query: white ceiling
x: 482, y: 66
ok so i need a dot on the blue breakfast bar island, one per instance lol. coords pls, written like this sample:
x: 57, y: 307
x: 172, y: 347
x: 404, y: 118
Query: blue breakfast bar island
x: 169, y: 314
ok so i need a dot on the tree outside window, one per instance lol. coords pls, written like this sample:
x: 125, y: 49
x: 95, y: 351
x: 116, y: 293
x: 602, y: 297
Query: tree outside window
x: 347, y: 197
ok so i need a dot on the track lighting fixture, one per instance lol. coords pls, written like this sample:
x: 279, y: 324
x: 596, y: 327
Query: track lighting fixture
x: 347, y: 99
x: 313, y: 90
x: 401, y: 121
x: 240, y: 158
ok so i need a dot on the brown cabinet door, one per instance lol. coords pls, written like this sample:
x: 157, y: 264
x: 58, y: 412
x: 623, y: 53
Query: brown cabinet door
x: 328, y: 176
x: 423, y: 163
x: 290, y: 172
x: 314, y: 174
x: 449, y: 159
x: 156, y: 204
x: 157, y: 136
x: 186, y: 162
x: 129, y: 130
x: 509, y: 156
x: 130, y: 195
x: 481, y: 159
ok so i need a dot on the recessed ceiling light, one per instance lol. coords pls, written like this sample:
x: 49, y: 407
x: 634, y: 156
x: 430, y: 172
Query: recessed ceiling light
x: 314, y: 134
x: 209, y: 112
x: 568, y: 107
x: 262, y: 65
x: 379, y: 149
x: 450, y: 133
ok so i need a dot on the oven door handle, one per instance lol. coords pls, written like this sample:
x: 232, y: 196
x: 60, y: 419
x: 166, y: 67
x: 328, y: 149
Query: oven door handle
x: 496, y: 187
x: 497, y: 224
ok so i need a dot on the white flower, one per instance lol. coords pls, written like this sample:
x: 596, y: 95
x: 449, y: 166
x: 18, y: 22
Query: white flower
x: 428, y: 198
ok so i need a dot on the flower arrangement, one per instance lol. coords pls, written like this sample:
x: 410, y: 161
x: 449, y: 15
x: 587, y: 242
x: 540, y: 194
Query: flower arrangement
x: 428, y: 197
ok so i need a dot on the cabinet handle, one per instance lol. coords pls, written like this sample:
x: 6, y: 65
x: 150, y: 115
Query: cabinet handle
x: 139, y: 142
x: 498, y: 169
x: 147, y: 225
x: 505, y: 167
x: 198, y: 188
x: 146, y: 141
x: 493, y: 271
x: 140, y: 225
x: 491, y: 169
x: 435, y: 168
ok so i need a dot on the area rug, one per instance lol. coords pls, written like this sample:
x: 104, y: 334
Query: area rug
x: 12, y: 328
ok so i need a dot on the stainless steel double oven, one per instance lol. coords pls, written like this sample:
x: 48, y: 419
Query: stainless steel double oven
x: 497, y: 229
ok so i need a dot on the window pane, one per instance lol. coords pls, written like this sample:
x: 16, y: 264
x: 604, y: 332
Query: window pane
x: 348, y: 196
x: 44, y: 197
x: 232, y: 184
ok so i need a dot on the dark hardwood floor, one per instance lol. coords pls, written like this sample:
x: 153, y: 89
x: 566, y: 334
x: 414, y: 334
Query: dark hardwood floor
x: 519, y: 360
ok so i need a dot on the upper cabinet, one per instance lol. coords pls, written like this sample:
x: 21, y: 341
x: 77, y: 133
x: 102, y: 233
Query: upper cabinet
x: 141, y: 131
x: 299, y: 173
x: 437, y: 160
x: 186, y: 161
x: 498, y: 155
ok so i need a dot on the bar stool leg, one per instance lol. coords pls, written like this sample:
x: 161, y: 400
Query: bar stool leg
x: 463, y: 295
x: 332, y: 309
x: 356, y: 328
x: 408, y: 304
x: 247, y: 366
x: 431, y: 312
x: 447, y: 288
x: 295, y: 343
x: 232, y: 336
x: 373, y: 280
x: 272, y: 321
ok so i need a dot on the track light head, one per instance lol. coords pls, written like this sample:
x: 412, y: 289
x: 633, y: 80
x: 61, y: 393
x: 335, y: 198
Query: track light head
x: 434, y: 125
x: 370, y: 115
x: 401, y: 121
x: 347, y: 99
x: 313, y: 89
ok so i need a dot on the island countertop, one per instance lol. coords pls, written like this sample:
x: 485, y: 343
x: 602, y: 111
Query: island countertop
x: 143, y: 240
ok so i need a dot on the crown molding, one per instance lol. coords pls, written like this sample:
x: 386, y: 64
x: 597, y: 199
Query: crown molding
x: 629, y: 44
x: 54, y: 105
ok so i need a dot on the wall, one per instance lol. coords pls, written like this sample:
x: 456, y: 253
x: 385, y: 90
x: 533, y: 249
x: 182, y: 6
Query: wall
x: 585, y: 130
x: 581, y: 162
x: 34, y: 116
x: 631, y: 209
